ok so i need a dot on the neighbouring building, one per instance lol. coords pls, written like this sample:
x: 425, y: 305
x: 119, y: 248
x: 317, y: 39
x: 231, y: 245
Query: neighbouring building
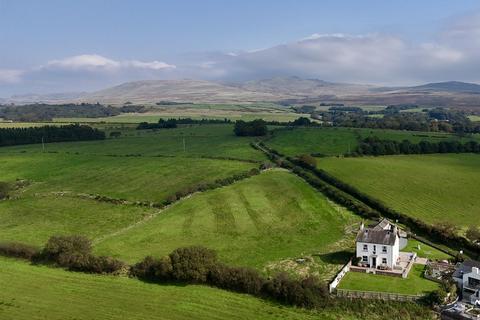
x: 467, y: 276
x: 378, y: 246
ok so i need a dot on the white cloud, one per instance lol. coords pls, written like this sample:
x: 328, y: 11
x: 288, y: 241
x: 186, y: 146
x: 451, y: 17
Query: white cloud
x: 10, y: 76
x: 154, y: 65
x: 95, y: 62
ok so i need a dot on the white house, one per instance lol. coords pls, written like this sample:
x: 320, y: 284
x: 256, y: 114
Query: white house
x: 378, y: 246
x: 467, y: 276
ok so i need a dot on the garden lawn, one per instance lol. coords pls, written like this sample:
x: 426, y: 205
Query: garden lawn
x: 425, y: 250
x: 414, y: 284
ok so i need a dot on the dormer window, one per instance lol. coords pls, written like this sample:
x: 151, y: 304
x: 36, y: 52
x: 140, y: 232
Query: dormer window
x: 365, y: 247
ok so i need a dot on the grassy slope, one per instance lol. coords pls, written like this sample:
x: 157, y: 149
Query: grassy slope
x: 415, y: 283
x: 263, y: 219
x: 38, y: 211
x: 335, y: 141
x: 435, y: 188
x: 34, y: 218
x: 132, y: 178
x: 31, y: 292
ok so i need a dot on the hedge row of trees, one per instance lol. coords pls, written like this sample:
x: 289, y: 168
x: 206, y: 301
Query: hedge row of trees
x: 368, y: 207
x: 200, y: 265
x: 47, y: 112
x: 71, y: 252
x: 375, y: 146
x: 196, y: 265
x: 172, y: 123
x: 212, y: 185
x: 74, y: 132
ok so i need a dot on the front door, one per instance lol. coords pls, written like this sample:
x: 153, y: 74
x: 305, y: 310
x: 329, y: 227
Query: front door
x: 374, y: 262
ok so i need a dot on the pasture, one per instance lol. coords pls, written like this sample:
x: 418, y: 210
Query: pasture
x: 333, y: 141
x: 246, y: 112
x: 185, y: 141
x: 434, y: 188
x: 260, y: 222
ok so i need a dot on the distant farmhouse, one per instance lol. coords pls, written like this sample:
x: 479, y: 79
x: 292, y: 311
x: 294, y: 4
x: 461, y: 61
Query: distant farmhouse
x: 467, y: 276
x: 378, y: 246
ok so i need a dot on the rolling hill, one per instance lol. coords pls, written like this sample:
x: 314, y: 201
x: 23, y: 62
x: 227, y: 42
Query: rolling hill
x: 291, y: 89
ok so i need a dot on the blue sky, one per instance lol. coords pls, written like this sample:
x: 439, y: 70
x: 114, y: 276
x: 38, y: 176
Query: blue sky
x: 110, y: 42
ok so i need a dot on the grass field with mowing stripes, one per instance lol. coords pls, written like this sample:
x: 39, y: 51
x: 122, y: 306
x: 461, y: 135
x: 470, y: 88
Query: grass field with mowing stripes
x: 255, y: 222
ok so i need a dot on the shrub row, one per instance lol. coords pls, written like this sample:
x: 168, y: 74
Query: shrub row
x: 70, y: 252
x: 18, y: 250
x: 209, y: 186
x: 200, y: 265
x: 182, y: 193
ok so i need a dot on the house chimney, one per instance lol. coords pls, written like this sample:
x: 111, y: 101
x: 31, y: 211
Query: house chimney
x: 475, y: 270
x: 362, y: 226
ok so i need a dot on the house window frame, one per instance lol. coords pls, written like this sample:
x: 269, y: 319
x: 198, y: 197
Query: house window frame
x: 384, y: 249
x: 365, y: 248
x: 384, y: 260
x: 364, y: 258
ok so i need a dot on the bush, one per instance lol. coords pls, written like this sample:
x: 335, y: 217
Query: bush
x: 307, y: 160
x: 252, y: 128
x: 192, y: 264
x: 4, y: 190
x: 18, y: 250
x: 308, y: 293
x: 244, y: 280
x: 153, y: 269
x: 67, y: 251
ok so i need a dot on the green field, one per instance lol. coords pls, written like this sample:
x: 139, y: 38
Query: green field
x: 34, y: 293
x: 415, y: 283
x: 54, y: 202
x: 336, y: 141
x: 434, y: 188
x: 257, y: 222
x: 474, y: 118
x: 205, y: 140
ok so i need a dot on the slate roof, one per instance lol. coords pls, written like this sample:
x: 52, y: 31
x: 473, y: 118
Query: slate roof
x: 385, y: 237
x: 381, y: 225
x: 465, y: 267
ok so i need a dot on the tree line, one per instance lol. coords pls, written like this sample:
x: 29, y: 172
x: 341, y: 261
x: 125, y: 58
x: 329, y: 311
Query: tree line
x: 47, y: 112
x: 432, y: 120
x: 375, y: 146
x: 74, y: 132
x: 172, y: 123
